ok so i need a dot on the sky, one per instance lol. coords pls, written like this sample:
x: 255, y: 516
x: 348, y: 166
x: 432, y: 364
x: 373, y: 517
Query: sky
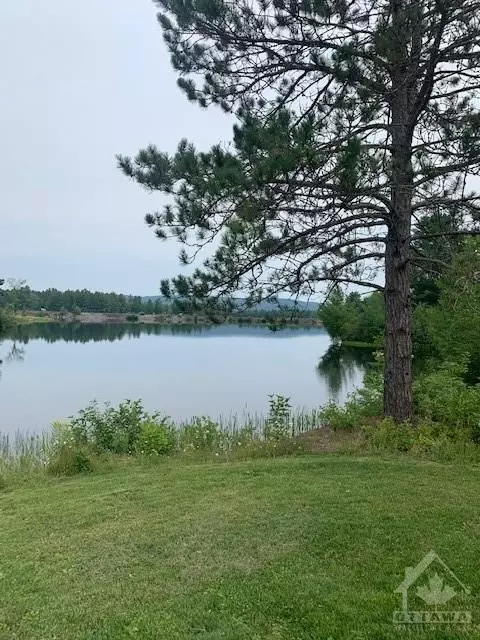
x: 79, y: 83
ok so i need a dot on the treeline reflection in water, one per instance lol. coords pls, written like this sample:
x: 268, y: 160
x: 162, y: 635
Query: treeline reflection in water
x: 339, y: 367
x: 53, y: 332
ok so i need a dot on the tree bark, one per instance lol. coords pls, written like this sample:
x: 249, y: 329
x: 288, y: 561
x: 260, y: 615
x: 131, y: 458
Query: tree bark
x: 398, y: 394
x: 398, y: 402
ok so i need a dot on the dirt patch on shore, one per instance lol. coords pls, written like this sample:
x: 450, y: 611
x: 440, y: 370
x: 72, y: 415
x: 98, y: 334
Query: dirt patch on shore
x: 325, y: 440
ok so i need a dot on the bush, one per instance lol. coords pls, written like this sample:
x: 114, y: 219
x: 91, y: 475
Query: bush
x: 70, y: 460
x: 115, y: 430
x: 445, y: 398
x: 389, y: 436
x: 156, y: 438
x: 67, y: 457
x: 369, y: 398
x: 131, y: 317
x: 202, y: 434
x: 278, y: 425
x: 427, y: 440
x: 337, y: 417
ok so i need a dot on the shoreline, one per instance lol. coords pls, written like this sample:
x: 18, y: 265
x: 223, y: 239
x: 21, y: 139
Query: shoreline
x: 30, y: 317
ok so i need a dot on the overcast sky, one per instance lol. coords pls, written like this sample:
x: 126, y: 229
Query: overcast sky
x: 80, y: 82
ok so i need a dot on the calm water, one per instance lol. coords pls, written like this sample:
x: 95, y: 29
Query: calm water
x: 50, y: 372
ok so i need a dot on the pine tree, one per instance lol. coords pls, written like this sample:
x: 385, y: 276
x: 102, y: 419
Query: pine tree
x: 436, y: 243
x: 149, y: 307
x: 354, y: 119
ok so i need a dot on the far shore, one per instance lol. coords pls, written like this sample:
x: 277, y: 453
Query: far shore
x: 32, y: 317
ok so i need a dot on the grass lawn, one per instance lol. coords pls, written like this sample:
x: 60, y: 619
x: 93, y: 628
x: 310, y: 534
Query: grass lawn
x: 283, y: 549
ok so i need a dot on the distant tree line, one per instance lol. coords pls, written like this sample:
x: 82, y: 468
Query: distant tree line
x: 5, y: 316
x: 76, y: 301
x: 16, y: 296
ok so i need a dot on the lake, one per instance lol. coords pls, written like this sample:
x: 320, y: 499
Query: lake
x: 49, y: 372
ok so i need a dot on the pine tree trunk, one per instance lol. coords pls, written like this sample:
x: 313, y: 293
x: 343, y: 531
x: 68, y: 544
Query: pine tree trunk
x: 398, y: 401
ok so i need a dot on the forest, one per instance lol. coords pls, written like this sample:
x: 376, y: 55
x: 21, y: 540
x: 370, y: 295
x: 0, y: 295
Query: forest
x: 23, y: 298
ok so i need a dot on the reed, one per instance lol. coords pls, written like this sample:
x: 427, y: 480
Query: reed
x: 25, y: 450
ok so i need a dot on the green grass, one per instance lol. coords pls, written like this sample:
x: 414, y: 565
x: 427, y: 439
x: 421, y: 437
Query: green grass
x: 359, y: 344
x: 305, y: 548
x: 31, y: 319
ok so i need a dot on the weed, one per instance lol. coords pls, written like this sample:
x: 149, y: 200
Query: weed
x: 70, y: 460
x: 202, y: 434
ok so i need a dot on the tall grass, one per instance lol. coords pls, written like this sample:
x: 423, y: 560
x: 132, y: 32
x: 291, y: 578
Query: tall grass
x: 22, y: 447
x: 301, y: 420
x: 22, y: 455
x: 28, y: 452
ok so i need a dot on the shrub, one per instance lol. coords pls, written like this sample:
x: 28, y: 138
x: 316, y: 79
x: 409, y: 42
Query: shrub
x: 369, y: 399
x: 70, y: 460
x: 444, y: 397
x: 278, y: 424
x: 202, y: 434
x: 337, y: 417
x: 66, y: 456
x: 115, y: 430
x: 426, y: 440
x: 389, y: 436
x: 131, y: 317
x: 156, y: 438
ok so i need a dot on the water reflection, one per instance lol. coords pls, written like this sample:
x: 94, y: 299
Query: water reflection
x: 339, y: 367
x: 180, y: 370
x: 14, y: 353
x: 53, y: 332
